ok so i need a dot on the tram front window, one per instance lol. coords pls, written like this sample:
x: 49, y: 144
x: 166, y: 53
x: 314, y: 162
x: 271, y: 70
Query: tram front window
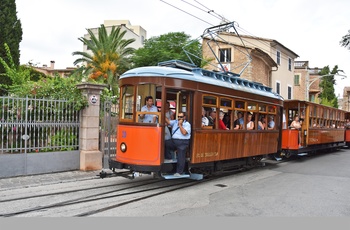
x: 127, y: 111
x: 149, y: 107
x: 147, y: 110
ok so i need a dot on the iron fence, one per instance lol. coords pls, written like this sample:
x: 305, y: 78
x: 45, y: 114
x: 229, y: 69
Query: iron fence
x: 30, y: 125
x: 108, y: 130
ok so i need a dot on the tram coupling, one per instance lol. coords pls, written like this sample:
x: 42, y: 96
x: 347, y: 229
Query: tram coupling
x: 126, y: 174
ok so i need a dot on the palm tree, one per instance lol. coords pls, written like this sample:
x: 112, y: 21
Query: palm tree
x: 345, y: 41
x: 110, y: 55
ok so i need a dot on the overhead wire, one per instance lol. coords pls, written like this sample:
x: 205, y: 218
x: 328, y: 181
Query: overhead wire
x: 212, y: 11
x: 206, y: 11
x: 187, y: 13
x: 218, y: 16
x: 259, y: 40
x: 265, y: 43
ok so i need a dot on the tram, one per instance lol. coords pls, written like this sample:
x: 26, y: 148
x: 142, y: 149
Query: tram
x: 347, y: 129
x: 322, y: 128
x: 140, y: 146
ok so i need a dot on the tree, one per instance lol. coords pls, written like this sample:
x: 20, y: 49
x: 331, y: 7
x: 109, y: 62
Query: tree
x: 167, y: 47
x: 110, y: 55
x: 10, y: 33
x: 28, y: 82
x: 345, y: 41
x: 327, y: 95
x: 18, y: 76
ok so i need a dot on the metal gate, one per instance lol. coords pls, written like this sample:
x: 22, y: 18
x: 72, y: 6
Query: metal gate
x: 38, y: 136
x: 108, y: 130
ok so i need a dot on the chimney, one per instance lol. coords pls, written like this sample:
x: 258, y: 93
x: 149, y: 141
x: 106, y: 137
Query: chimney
x: 52, y: 65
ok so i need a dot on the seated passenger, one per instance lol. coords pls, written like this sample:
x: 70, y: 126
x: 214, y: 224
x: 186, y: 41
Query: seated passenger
x: 250, y: 123
x: 205, y: 121
x: 238, y: 124
x: 227, y: 121
x: 221, y: 122
x: 212, y: 117
x: 271, y: 123
x: 149, y: 107
x: 262, y: 123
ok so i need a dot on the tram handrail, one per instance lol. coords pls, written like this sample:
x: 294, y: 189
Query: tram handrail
x: 138, y: 113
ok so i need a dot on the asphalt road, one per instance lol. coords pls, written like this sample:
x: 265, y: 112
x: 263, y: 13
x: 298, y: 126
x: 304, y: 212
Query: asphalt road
x: 316, y: 186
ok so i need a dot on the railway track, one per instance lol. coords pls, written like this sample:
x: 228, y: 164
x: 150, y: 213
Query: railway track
x: 113, y: 196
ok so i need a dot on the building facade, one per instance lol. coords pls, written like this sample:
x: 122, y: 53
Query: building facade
x: 346, y: 99
x: 262, y: 60
x: 135, y: 32
x: 258, y: 70
x: 306, y: 82
x: 51, y: 71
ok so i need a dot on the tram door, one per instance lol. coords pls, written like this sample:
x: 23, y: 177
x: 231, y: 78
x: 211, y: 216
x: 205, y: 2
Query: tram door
x: 181, y: 101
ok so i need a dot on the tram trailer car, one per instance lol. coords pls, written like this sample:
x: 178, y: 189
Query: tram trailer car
x: 140, y: 146
x: 347, y: 129
x: 322, y: 128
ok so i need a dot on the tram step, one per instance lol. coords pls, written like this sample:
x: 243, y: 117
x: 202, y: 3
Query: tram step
x: 193, y: 176
x: 170, y: 161
x: 171, y: 176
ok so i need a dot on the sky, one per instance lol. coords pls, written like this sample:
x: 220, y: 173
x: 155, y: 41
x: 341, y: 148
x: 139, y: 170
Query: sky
x: 312, y: 29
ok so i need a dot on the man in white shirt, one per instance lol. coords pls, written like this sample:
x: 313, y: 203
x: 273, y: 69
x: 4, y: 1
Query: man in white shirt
x: 181, y: 134
x: 149, y: 107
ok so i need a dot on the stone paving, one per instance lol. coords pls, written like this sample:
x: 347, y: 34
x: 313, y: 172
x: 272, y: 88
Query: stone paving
x: 45, y: 179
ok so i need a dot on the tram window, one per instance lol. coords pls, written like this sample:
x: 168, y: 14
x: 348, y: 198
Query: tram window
x: 315, y: 111
x: 319, y: 112
x: 311, y: 110
x: 238, y: 120
x: 261, y: 122
x: 325, y: 114
x: 209, y: 100
x: 227, y: 117
x: 224, y: 102
x: 240, y: 105
x: 207, y: 122
x: 250, y: 121
x: 127, y: 102
x: 262, y: 108
x: 252, y: 106
x: 272, y: 109
x: 146, y: 90
x: 320, y: 124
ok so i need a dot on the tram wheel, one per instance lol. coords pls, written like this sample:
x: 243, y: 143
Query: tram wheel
x: 157, y: 175
x: 103, y: 174
x: 288, y: 154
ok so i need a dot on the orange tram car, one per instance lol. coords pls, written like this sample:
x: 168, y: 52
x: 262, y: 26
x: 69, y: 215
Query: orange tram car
x: 347, y: 129
x: 198, y: 92
x: 322, y: 128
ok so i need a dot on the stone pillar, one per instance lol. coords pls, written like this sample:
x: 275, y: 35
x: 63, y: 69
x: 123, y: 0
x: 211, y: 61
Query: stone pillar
x: 90, y: 155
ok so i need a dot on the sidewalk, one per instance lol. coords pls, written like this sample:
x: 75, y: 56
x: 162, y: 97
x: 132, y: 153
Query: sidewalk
x: 48, y: 178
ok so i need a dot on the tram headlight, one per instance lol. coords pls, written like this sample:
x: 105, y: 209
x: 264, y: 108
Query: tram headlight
x: 123, y: 147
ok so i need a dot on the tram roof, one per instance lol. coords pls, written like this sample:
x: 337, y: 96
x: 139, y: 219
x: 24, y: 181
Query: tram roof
x: 191, y: 73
